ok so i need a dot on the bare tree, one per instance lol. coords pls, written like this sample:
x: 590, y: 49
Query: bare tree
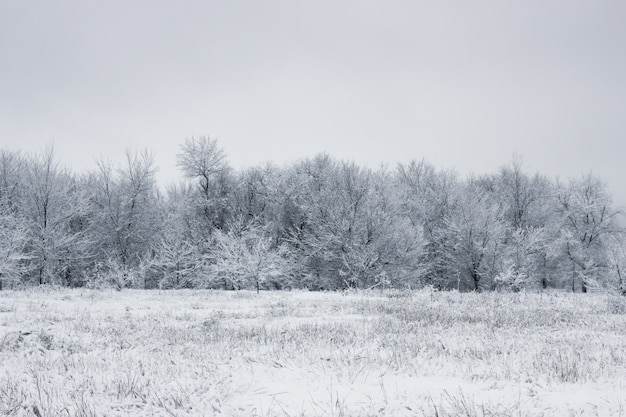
x: 202, y: 160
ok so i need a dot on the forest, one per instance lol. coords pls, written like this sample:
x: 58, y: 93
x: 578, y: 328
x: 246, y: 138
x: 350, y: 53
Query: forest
x: 318, y: 223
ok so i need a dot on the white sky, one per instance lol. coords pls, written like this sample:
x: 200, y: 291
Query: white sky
x: 462, y: 84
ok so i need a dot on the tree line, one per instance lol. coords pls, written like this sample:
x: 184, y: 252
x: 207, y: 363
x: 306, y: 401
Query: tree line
x: 318, y: 223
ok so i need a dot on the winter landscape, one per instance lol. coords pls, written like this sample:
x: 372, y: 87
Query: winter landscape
x: 377, y: 353
x: 316, y: 289
x: 326, y: 208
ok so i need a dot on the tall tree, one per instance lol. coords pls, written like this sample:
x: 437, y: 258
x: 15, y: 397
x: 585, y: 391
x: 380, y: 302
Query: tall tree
x: 346, y: 227
x: 254, y: 189
x: 52, y: 202
x: 126, y: 212
x: 529, y: 225
x: 177, y: 261
x: 204, y: 162
x: 13, y: 230
x: 427, y: 199
x: 478, y: 231
x: 12, y: 166
x: 588, y: 224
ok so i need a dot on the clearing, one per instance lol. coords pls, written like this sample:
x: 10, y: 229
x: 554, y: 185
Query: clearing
x: 203, y: 353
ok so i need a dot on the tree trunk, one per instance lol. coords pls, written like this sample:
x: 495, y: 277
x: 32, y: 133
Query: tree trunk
x: 475, y: 279
x: 544, y: 280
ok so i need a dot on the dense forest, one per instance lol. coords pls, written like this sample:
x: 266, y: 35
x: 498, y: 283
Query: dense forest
x: 318, y: 223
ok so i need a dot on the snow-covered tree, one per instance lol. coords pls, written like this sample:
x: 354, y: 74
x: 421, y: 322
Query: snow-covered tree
x: 125, y: 210
x: 477, y: 229
x: 53, y: 206
x: 529, y: 223
x: 12, y: 165
x: 177, y: 261
x: 13, y: 256
x: 427, y: 199
x: 13, y: 230
x: 244, y: 257
x: 345, y: 227
x: 255, y: 197
x: 204, y: 162
x: 588, y: 224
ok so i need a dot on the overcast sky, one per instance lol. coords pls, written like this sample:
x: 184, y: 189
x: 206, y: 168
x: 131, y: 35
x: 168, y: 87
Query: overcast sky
x: 462, y: 84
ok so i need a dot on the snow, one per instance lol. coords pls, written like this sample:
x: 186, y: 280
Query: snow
x: 193, y: 353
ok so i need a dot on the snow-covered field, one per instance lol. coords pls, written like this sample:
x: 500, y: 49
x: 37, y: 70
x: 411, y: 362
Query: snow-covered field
x: 200, y: 353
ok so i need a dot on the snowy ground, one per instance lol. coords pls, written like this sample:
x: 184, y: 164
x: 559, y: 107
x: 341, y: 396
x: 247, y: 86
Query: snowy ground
x: 199, y: 353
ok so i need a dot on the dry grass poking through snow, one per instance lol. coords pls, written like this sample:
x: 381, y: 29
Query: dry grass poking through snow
x: 198, y: 353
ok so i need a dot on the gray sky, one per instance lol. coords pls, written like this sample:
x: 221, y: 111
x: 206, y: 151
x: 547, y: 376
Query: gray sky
x: 462, y: 84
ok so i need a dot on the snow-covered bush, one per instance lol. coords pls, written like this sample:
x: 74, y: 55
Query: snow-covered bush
x: 511, y: 279
x: 245, y: 259
x: 113, y: 274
